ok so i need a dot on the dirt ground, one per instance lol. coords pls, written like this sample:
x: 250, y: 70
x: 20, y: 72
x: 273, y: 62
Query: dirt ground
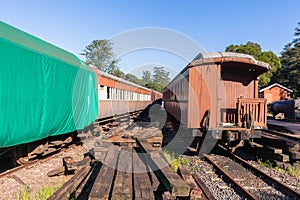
x: 35, y: 177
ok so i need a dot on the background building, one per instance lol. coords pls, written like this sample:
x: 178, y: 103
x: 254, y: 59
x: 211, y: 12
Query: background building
x: 275, y: 92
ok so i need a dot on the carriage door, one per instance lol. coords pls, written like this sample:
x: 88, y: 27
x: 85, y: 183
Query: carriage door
x: 216, y: 89
x: 220, y: 98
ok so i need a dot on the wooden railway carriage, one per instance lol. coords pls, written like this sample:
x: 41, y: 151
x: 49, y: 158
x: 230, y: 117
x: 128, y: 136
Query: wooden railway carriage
x: 155, y: 95
x: 218, y: 92
x: 117, y: 96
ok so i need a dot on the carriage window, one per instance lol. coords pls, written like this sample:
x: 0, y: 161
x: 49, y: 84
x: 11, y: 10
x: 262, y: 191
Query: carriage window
x: 114, y: 94
x: 182, y: 88
x: 108, y: 92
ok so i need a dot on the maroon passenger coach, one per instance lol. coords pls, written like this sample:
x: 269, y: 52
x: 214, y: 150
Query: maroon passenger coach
x: 217, y: 93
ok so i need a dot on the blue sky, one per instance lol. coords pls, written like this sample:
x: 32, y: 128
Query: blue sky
x: 213, y: 24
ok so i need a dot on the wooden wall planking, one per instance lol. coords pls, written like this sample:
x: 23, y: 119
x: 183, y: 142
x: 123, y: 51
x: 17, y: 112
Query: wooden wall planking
x: 108, y: 108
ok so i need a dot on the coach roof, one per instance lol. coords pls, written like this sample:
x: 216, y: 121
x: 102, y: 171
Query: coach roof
x: 107, y: 75
x: 21, y: 39
x: 222, y: 57
x: 206, y: 58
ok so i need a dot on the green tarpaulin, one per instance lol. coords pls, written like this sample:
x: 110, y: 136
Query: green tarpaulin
x: 44, y: 90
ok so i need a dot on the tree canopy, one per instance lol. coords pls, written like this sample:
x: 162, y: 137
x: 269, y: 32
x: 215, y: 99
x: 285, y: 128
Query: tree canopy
x: 158, y: 80
x: 160, y: 75
x: 99, y: 53
x: 289, y: 74
x: 146, y: 77
x: 254, y: 49
x: 132, y: 78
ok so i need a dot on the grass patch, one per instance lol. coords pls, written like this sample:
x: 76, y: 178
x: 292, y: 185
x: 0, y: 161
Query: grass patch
x: 293, y: 171
x: 42, y: 194
x: 266, y: 163
x: 24, y: 194
x: 175, y: 160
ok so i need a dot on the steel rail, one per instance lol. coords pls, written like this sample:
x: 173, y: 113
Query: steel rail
x: 243, y: 190
x: 278, y: 185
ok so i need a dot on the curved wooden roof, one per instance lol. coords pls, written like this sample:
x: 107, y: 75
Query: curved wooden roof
x: 222, y: 57
x: 239, y: 60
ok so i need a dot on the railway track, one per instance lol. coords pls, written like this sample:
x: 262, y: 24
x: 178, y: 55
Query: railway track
x: 35, y: 162
x: 34, y: 158
x: 251, y: 182
x: 14, y: 174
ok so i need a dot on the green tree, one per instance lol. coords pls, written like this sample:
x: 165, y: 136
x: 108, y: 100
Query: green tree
x: 146, y: 78
x: 255, y: 50
x: 99, y: 53
x: 250, y: 48
x: 118, y: 73
x: 155, y: 86
x: 158, y: 80
x: 289, y: 74
x: 133, y: 78
x: 274, y: 61
x: 297, y: 35
x: 160, y: 75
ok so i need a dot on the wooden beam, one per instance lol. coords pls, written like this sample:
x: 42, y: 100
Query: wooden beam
x: 142, y: 184
x: 123, y: 183
x: 196, y: 192
x: 172, y: 181
x: 104, y: 180
x: 71, y: 185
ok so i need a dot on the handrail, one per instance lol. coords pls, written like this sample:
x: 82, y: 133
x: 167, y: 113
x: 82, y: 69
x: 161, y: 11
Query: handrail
x: 252, y: 108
